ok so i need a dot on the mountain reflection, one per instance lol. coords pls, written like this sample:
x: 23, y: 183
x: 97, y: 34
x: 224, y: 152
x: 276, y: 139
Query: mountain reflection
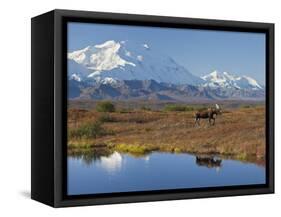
x: 90, y: 156
x: 107, y: 159
x: 112, y: 162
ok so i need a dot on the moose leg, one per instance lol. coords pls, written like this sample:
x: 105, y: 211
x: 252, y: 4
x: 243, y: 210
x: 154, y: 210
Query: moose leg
x: 197, y: 122
x: 214, y: 121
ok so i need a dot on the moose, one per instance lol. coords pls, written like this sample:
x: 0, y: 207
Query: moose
x: 210, y: 114
x: 208, y: 161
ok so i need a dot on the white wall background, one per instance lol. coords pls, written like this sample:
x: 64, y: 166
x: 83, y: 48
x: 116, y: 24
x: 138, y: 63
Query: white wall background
x: 15, y: 106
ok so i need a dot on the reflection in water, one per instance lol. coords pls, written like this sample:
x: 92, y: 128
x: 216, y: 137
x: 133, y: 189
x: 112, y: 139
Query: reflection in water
x: 208, y: 161
x: 146, y: 158
x: 108, y: 158
x: 106, y: 171
x: 112, y: 162
x: 91, y: 156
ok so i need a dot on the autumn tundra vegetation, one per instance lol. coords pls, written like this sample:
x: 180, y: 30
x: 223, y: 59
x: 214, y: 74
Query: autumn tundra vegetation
x: 239, y: 132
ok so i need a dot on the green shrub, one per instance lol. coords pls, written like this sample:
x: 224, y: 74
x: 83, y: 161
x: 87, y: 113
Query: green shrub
x: 145, y: 108
x: 179, y: 108
x: 125, y: 110
x: 189, y: 108
x: 105, y: 106
x: 88, y: 130
x: 147, y: 129
x: 134, y: 149
x: 106, y: 118
x: 177, y: 150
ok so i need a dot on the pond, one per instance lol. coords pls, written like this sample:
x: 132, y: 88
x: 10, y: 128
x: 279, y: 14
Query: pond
x: 118, y: 172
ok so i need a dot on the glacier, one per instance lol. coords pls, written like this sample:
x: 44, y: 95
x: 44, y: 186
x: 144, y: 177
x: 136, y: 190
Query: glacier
x: 228, y: 80
x: 130, y: 61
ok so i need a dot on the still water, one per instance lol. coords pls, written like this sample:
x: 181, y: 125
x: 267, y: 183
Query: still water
x: 123, y: 173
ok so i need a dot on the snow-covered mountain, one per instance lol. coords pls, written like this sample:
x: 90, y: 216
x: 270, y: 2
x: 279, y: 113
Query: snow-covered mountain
x: 125, y: 70
x: 226, y: 80
x: 111, y: 61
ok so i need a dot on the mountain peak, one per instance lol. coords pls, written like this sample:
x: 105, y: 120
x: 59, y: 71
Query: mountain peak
x: 100, y: 57
x: 127, y: 60
x: 228, y: 80
x: 108, y: 44
x: 214, y: 73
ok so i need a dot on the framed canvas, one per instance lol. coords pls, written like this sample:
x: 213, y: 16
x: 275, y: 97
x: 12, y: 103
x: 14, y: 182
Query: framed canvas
x: 134, y: 108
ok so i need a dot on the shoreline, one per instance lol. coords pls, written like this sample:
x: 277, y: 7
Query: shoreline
x: 139, y: 151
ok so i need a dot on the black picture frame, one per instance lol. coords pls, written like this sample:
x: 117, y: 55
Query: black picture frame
x: 49, y: 103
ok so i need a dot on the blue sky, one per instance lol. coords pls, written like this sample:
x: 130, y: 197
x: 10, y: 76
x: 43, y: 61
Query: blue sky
x: 199, y: 51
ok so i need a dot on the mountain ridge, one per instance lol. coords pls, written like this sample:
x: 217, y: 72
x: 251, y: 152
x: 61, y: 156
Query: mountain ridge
x: 114, y: 60
x: 227, y: 80
x: 120, y: 70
